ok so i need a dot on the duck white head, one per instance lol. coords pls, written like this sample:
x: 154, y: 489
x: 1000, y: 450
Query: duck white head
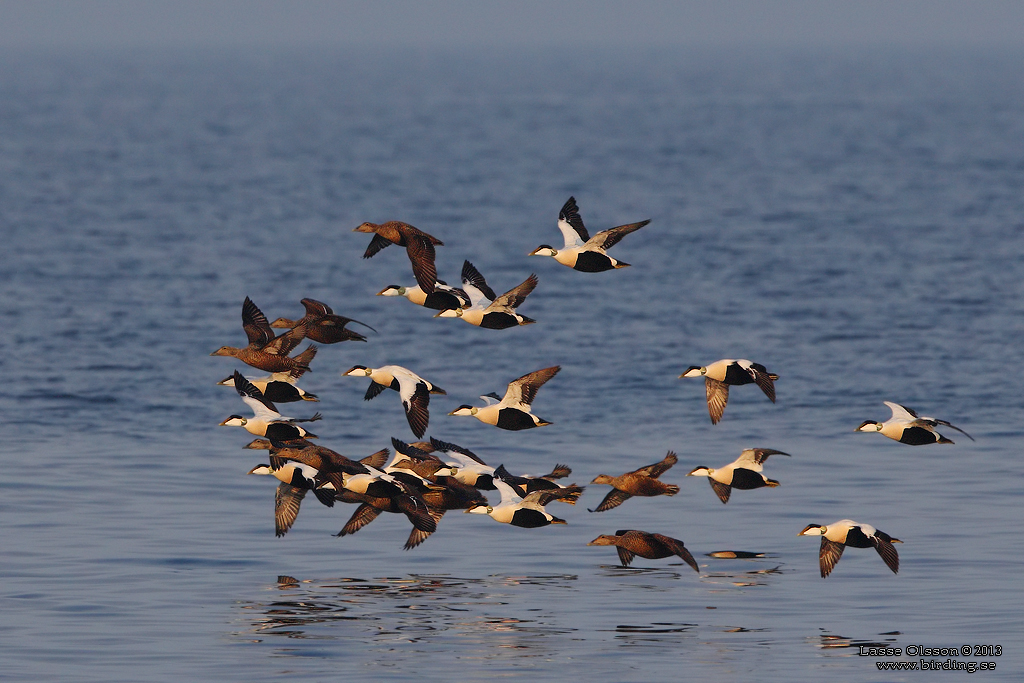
x: 694, y: 371
x: 357, y: 371
x: 814, y: 530
x: 465, y: 410
x: 544, y: 250
x: 480, y: 510
x: 450, y: 313
x: 701, y: 471
x: 869, y: 426
x: 392, y: 290
x: 234, y: 421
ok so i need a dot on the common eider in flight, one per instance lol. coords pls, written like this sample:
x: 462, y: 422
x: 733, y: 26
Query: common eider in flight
x: 380, y: 492
x: 630, y: 542
x: 296, y: 479
x: 472, y: 471
x: 413, y: 389
x: 639, y: 482
x: 488, y: 310
x: 907, y: 427
x: 524, y: 511
x: 838, y: 535
x: 722, y: 374
x: 279, y: 387
x: 322, y: 459
x: 411, y: 461
x: 581, y: 251
x: 265, y: 351
x: 418, y: 245
x: 513, y: 412
x: 443, y: 298
x: 266, y: 420
x: 742, y: 473
x: 445, y: 494
x: 322, y: 325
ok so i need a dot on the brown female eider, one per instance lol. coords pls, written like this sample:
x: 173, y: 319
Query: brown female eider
x: 265, y: 351
x: 322, y: 325
x: 418, y: 245
x: 640, y: 482
x: 630, y: 542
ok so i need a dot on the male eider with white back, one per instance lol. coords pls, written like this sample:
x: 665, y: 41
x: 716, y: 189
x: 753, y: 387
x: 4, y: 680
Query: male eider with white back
x: 413, y: 389
x: 486, y: 309
x: 722, y: 374
x: 524, y: 511
x: 443, y: 298
x: 742, y: 473
x: 837, y: 536
x: 581, y: 251
x: 266, y: 420
x: 512, y: 412
x: 907, y: 427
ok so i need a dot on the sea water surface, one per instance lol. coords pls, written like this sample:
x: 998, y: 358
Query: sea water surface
x: 853, y: 220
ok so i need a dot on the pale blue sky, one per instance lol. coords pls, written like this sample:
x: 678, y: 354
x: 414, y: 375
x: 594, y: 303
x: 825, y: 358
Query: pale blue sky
x: 526, y: 23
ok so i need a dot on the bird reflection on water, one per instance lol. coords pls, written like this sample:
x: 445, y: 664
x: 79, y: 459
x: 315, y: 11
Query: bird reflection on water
x: 381, y: 609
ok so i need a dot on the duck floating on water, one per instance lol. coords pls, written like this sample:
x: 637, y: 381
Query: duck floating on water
x: 630, y: 542
x: 581, y: 251
x: 513, y: 411
x: 907, y: 427
x: 742, y: 473
x: 722, y: 374
x: 837, y: 536
x: 640, y: 482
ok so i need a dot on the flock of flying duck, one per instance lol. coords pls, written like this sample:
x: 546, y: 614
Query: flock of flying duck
x: 424, y: 479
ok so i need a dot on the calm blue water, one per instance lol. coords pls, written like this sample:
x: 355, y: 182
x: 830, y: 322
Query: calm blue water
x: 853, y: 221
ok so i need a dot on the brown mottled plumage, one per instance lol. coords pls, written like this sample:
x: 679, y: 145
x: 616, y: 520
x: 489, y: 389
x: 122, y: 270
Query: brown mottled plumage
x: 418, y: 245
x: 640, y: 482
x: 630, y: 542
x: 322, y: 325
x: 265, y: 351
